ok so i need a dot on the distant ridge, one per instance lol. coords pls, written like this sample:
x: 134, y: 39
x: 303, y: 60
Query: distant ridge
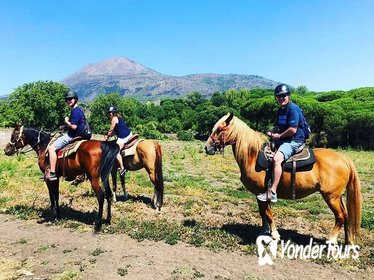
x: 131, y: 79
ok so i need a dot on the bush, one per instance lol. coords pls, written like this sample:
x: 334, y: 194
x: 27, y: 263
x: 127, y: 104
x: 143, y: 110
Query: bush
x: 188, y: 135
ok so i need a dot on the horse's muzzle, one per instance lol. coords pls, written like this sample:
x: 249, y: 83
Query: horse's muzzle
x: 9, y: 150
x: 210, y: 150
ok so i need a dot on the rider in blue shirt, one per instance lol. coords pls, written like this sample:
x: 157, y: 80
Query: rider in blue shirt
x: 288, y: 135
x: 75, y: 126
x: 118, y: 127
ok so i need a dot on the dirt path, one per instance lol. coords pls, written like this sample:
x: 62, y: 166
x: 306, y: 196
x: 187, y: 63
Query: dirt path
x: 48, y: 251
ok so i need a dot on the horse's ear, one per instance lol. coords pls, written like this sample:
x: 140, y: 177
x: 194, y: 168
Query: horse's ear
x: 229, y: 118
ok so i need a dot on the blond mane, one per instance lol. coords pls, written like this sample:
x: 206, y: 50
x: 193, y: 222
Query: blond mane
x: 248, y: 141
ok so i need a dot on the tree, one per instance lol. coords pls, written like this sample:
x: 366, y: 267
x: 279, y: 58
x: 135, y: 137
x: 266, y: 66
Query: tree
x: 39, y: 104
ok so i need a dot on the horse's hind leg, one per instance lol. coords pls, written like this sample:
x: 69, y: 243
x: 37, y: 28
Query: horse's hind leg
x: 53, y: 189
x: 100, y: 198
x: 338, y: 208
x: 267, y: 219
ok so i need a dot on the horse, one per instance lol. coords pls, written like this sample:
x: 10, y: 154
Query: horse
x: 95, y: 158
x: 148, y: 155
x: 331, y: 175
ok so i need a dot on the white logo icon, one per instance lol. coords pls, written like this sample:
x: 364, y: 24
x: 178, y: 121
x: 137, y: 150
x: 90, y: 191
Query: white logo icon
x: 263, y: 243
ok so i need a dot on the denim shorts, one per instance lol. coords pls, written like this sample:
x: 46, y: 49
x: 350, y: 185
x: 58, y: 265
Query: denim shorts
x: 62, y: 141
x: 124, y: 140
x: 289, y: 148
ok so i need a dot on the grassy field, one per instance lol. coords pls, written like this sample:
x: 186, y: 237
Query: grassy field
x: 205, y: 203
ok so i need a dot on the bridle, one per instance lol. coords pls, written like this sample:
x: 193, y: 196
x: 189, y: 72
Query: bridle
x: 219, y: 138
x: 21, y: 141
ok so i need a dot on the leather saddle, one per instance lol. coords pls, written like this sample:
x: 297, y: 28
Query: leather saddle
x: 70, y: 148
x: 302, y: 160
x: 130, y: 147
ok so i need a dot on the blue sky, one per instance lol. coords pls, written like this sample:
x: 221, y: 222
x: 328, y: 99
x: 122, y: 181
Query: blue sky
x: 324, y: 45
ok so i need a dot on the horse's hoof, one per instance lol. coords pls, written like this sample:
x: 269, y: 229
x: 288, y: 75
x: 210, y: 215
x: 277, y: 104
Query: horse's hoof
x: 275, y: 235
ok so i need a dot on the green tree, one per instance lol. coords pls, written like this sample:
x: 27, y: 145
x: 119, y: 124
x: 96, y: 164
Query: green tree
x: 39, y: 104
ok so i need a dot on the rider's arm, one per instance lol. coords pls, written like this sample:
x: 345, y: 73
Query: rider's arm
x: 69, y: 124
x: 112, y: 125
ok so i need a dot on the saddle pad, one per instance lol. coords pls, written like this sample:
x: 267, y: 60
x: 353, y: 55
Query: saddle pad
x: 69, y: 149
x: 304, y: 159
x: 131, y: 150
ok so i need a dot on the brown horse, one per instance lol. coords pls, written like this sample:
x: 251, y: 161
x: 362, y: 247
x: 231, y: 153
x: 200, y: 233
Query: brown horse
x: 148, y: 155
x: 95, y: 158
x: 331, y: 175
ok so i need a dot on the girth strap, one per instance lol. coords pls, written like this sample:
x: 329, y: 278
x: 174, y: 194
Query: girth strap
x: 293, y: 179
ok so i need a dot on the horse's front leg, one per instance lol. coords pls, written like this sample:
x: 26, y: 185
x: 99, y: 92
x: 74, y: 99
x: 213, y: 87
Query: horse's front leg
x: 53, y: 189
x: 123, y: 185
x: 114, y: 182
x: 109, y: 195
x: 268, y: 223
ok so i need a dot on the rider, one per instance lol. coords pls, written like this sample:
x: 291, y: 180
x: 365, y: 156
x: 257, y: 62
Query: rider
x: 75, y: 126
x: 287, y: 134
x: 118, y: 127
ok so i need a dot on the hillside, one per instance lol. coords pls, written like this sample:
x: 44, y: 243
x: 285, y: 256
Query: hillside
x: 132, y: 79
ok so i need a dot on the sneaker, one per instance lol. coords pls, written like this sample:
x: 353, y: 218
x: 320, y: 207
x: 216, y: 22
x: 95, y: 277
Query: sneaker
x: 263, y: 197
x: 53, y: 176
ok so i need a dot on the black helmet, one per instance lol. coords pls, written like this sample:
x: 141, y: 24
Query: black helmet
x: 71, y: 94
x: 282, y: 89
x: 112, y: 109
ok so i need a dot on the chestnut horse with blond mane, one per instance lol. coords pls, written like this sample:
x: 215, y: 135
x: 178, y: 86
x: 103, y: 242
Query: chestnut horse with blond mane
x: 331, y: 175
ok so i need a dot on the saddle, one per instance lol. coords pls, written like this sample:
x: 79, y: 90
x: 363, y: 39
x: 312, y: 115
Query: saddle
x: 302, y: 160
x: 130, y: 146
x: 70, y: 148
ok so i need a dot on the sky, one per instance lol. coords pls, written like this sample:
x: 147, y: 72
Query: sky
x: 323, y: 45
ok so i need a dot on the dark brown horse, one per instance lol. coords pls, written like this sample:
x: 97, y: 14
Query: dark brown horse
x: 95, y: 158
x: 148, y: 155
x: 331, y: 175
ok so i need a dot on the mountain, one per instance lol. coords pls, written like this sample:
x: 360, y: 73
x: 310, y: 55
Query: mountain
x: 132, y: 79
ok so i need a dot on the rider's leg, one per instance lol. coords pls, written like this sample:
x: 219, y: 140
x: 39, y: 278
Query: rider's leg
x: 277, y: 170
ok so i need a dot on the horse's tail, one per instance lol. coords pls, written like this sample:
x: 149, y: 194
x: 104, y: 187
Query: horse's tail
x: 109, y: 151
x: 354, y: 202
x: 159, y: 179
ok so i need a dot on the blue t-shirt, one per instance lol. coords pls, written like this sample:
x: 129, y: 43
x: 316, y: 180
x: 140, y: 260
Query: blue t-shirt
x: 121, y: 129
x: 77, y: 118
x: 291, y: 116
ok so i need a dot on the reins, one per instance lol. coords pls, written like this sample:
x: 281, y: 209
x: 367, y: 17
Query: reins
x: 219, y: 139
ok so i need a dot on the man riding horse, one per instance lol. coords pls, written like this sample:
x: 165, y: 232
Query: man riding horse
x: 288, y: 135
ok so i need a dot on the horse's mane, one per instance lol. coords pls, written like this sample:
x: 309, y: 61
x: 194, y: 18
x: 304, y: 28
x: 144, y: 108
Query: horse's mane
x: 37, y: 135
x: 248, y: 141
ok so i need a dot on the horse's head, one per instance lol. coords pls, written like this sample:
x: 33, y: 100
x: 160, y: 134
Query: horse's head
x: 220, y: 136
x: 17, y: 141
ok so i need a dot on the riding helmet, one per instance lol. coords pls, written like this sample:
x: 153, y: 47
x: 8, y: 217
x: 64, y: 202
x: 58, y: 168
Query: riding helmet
x: 71, y: 94
x: 112, y: 109
x: 282, y: 89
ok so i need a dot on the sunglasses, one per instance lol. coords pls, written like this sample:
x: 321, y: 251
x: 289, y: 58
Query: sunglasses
x: 68, y: 99
x: 282, y: 95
